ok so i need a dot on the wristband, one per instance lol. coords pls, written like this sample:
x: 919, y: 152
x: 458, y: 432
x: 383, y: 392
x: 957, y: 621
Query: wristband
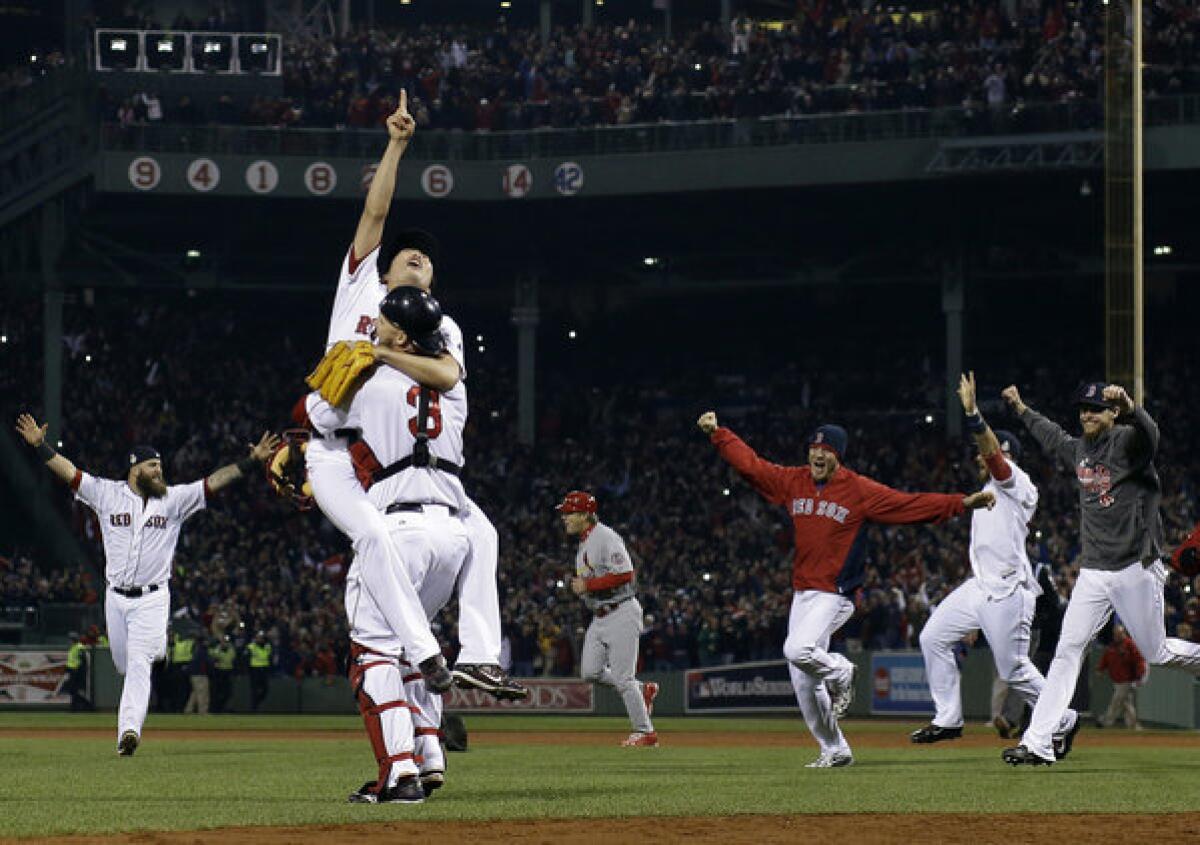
x: 45, y: 452
x: 975, y: 423
x: 246, y: 466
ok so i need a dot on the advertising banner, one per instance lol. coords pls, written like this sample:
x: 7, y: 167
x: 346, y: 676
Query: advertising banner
x: 740, y: 688
x: 33, y: 677
x: 898, y: 684
x: 546, y: 695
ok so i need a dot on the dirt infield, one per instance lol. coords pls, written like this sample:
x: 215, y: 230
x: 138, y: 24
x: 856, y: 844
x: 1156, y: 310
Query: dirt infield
x: 867, y: 828
x: 679, y: 739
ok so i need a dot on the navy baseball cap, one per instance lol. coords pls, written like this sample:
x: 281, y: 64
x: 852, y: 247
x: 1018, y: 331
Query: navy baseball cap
x: 831, y: 437
x: 142, y: 452
x: 1091, y: 395
x: 1009, y: 444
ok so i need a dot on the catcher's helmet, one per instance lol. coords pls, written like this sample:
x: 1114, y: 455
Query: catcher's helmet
x: 418, y: 314
x: 577, y: 501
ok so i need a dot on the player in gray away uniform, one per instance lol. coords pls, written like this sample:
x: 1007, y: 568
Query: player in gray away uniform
x: 604, y: 580
x: 1120, y: 566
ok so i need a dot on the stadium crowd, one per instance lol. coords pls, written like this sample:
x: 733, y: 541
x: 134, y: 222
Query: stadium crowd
x: 993, y: 59
x: 713, y: 561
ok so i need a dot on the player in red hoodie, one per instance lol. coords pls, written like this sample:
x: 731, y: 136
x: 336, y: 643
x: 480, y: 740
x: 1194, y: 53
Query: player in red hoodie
x: 829, y: 505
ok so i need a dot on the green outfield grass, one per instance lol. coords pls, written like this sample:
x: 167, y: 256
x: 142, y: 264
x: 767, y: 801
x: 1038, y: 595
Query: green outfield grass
x: 78, y: 785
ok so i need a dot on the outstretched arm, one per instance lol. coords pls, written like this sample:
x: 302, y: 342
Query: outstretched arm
x: 985, y: 438
x: 770, y: 480
x: 35, y: 436
x: 1049, y: 435
x: 259, y: 452
x: 400, y: 127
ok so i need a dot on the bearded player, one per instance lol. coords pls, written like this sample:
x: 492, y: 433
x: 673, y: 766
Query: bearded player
x: 829, y: 506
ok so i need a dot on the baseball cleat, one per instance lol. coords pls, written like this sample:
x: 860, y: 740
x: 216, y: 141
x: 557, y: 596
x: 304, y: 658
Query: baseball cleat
x: 832, y: 761
x: 431, y: 781
x: 366, y: 794
x: 407, y: 790
x: 842, y: 694
x: 128, y: 744
x: 437, y: 677
x: 934, y: 733
x: 637, y: 739
x: 1062, y: 744
x: 1022, y: 756
x: 649, y: 693
x: 491, y: 679
x: 1003, y: 727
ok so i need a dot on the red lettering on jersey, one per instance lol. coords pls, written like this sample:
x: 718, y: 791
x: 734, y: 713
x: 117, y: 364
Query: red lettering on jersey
x: 364, y: 325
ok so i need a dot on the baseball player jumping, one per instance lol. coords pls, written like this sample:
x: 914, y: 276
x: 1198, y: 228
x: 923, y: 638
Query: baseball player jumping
x: 140, y: 519
x: 1120, y: 565
x: 420, y: 502
x: 829, y: 505
x: 999, y: 598
x: 604, y: 579
x: 369, y: 270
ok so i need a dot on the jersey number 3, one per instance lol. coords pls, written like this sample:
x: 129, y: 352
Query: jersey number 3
x: 433, y: 425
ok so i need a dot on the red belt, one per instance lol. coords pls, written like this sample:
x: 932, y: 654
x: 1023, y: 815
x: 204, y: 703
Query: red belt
x: 606, y: 609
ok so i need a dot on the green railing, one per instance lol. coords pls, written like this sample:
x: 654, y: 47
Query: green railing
x: 443, y: 145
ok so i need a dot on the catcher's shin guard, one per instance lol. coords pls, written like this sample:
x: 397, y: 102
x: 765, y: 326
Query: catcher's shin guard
x: 391, y: 739
x: 427, y: 716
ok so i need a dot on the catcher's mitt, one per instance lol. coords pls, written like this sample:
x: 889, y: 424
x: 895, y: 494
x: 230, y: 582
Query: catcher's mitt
x: 341, y: 370
x: 1186, y: 559
x: 285, y: 470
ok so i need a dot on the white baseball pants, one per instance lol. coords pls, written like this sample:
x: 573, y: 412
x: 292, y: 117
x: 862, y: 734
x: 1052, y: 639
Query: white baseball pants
x: 343, y: 500
x: 1136, y: 594
x: 137, y: 635
x: 478, y: 595
x: 1006, y: 623
x: 815, y: 616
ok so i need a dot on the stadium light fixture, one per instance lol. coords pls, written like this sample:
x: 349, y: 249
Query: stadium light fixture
x: 650, y: 261
x: 87, y: 359
x: 725, y: 492
x: 707, y: 576
x: 193, y: 253
x: 482, y: 347
x: 505, y: 4
x: 572, y: 334
x: 479, y: 338
x: 3, y: 338
x: 929, y: 419
x: 1162, y: 250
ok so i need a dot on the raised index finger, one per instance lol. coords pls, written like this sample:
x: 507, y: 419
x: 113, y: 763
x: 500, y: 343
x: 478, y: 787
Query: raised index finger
x: 403, y: 100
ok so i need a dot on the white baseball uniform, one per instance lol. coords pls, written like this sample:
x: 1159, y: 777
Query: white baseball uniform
x: 428, y: 540
x: 139, y: 537
x: 338, y: 493
x: 998, y: 599
x: 610, y: 647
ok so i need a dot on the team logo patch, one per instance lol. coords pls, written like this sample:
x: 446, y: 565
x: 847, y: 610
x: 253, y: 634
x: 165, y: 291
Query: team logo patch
x: 820, y: 438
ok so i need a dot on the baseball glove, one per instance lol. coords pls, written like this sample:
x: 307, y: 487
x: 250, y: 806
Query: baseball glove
x: 285, y: 470
x: 341, y: 371
x: 1186, y: 559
